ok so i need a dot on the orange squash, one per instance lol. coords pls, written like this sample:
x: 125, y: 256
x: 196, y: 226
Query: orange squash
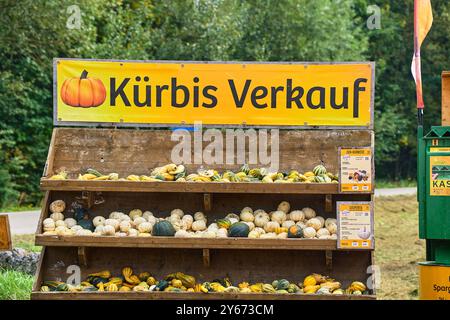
x: 83, y: 91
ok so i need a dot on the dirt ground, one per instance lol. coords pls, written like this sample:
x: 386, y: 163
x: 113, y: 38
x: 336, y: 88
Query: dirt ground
x: 397, y: 246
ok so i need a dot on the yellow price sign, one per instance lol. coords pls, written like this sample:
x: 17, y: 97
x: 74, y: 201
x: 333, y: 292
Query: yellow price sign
x: 177, y: 93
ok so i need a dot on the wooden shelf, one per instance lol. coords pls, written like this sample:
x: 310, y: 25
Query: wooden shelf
x: 188, y: 296
x: 195, y: 187
x: 188, y: 243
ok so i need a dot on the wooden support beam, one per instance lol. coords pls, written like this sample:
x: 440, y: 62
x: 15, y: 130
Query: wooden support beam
x: 329, y: 260
x: 82, y: 256
x: 328, y: 203
x: 206, y: 257
x: 89, y: 198
x: 207, y: 202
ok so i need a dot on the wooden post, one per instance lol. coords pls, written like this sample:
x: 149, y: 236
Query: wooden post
x: 446, y: 98
x: 5, y: 233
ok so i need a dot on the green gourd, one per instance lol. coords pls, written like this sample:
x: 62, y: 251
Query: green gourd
x: 163, y: 229
x: 239, y: 229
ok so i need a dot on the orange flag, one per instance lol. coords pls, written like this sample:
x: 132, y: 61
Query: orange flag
x: 423, y: 19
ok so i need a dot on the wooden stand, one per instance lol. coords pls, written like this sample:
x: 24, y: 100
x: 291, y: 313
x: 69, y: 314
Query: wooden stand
x: 254, y: 260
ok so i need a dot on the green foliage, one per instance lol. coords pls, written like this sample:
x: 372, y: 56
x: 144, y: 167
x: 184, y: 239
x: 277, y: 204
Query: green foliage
x: 15, y: 285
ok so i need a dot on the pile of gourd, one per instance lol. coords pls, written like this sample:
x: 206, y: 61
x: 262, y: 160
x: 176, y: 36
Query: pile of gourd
x: 282, y: 223
x: 173, y: 172
x: 181, y: 282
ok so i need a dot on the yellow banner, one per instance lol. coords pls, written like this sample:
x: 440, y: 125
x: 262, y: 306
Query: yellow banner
x: 440, y: 175
x: 176, y: 93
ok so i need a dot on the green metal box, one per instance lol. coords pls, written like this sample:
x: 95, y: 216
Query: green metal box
x: 434, y: 192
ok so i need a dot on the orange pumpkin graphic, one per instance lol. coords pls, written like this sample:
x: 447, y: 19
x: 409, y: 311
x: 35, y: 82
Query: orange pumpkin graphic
x: 83, y: 92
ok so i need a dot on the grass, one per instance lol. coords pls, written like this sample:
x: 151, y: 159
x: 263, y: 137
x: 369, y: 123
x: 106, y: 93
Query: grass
x: 406, y: 183
x: 15, y: 285
x: 18, y: 208
x: 398, y: 250
x: 397, y: 246
x: 25, y: 241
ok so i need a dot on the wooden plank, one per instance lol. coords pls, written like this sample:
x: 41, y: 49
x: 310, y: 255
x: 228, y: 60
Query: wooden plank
x: 44, y: 212
x: 51, y: 155
x: 446, y: 98
x: 194, y: 243
x: 198, y: 187
x: 40, y: 269
x: 187, y: 296
x: 138, y: 151
x: 5, y: 233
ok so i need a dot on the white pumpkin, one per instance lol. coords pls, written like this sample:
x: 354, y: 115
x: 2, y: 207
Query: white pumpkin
x: 177, y: 225
x: 181, y: 234
x: 288, y: 224
x: 247, y: 209
x: 115, y: 215
x: 330, y: 221
x: 323, y: 232
x: 50, y: 233
x: 138, y: 220
x: 145, y: 227
x: 251, y: 225
x: 187, y: 221
x: 282, y: 235
x: 177, y: 212
x: 309, y: 213
x: 209, y: 234
x: 232, y: 215
x: 301, y: 224
x: 98, y: 221
x: 108, y: 230
x: 333, y: 236
x: 254, y: 234
x: 284, y: 206
x: 247, y: 216
x: 322, y: 221
x: 258, y: 211
x: 69, y: 232
x: 199, y: 225
x: 114, y: 223
x: 49, y: 224
x: 121, y: 234
x: 70, y: 222
x: 309, y: 232
x: 222, y: 233
x: 278, y: 216
x: 271, y: 226
x: 332, y: 228
x: 124, y: 217
x: 174, y: 218
x: 57, y: 216
x: 83, y: 232
x: 75, y: 228
x: 133, y: 232
x: 261, y: 219
x: 151, y: 219
x: 315, y: 223
x: 135, y: 213
x: 125, y: 226
x: 147, y: 214
x: 269, y: 235
x: 60, y: 223
x: 57, y: 206
x: 60, y: 230
x: 297, y: 215
x: 213, y: 226
x: 259, y: 230
x: 144, y: 234
x: 98, y: 229
x: 199, y: 216
x: 233, y: 220
x: 324, y: 237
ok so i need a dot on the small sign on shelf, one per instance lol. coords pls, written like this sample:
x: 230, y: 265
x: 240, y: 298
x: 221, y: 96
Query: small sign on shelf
x: 356, y: 169
x: 355, y: 225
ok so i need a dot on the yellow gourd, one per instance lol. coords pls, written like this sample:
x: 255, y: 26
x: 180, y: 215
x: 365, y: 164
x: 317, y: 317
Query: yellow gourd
x: 311, y: 289
x: 151, y: 281
x: 125, y: 288
x: 102, y: 274
x: 112, y: 287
